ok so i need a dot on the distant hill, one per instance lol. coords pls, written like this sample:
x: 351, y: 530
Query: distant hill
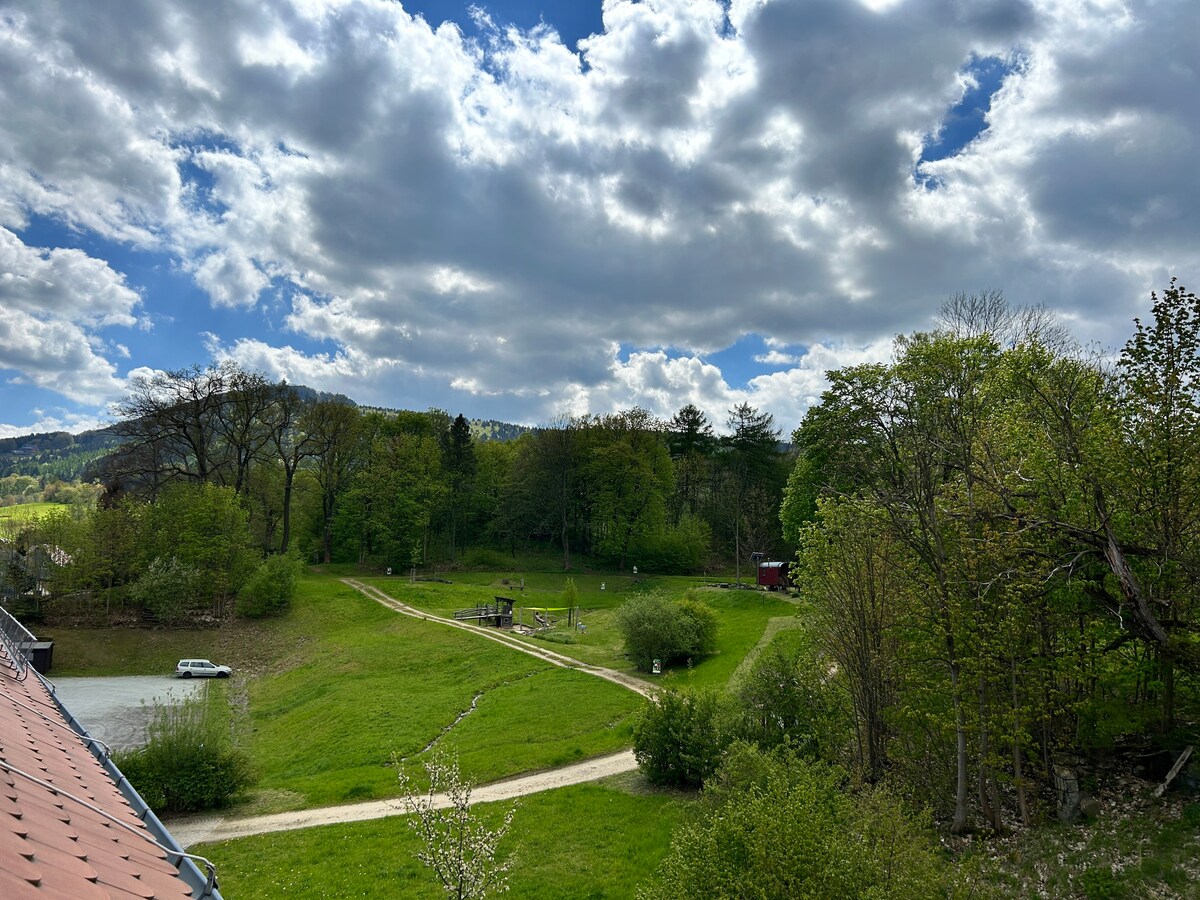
x: 54, y: 454
x: 65, y: 456
x: 491, y: 430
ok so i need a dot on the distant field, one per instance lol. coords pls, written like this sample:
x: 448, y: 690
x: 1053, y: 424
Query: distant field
x: 28, y: 512
x: 588, y: 841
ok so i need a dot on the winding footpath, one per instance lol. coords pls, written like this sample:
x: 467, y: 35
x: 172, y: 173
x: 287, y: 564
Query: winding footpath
x: 198, y: 830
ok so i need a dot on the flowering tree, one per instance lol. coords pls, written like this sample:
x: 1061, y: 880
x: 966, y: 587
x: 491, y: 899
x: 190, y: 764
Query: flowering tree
x: 458, y: 846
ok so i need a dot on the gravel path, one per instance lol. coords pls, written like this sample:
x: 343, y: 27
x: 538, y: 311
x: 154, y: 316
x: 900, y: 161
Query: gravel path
x: 216, y: 828
x: 190, y: 831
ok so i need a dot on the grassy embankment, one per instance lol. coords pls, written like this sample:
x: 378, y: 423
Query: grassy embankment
x: 324, y: 697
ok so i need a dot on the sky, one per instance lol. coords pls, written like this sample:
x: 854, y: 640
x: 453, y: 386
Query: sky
x: 524, y: 210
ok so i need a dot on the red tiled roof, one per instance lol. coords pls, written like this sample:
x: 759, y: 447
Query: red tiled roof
x: 66, y: 830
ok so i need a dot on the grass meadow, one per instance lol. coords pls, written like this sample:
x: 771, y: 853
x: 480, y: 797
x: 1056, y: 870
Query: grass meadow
x: 329, y: 698
x: 587, y: 841
x: 22, y: 513
x: 743, y: 614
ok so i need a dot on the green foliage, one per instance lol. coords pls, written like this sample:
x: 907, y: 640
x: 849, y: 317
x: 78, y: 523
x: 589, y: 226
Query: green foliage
x: 675, y: 550
x: 570, y: 594
x: 672, y: 631
x: 789, y: 697
x: 204, y: 527
x: 483, y: 558
x: 679, y: 740
x: 269, y: 590
x: 701, y: 625
x: 188, y: 763
x: 781, y: 827
x: 170, y: 589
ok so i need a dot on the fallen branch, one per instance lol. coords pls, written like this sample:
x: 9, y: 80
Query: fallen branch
x: 1179, y: 763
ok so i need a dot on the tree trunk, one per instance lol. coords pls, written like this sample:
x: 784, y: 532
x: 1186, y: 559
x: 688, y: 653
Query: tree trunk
x: 959, y: 825
x: 1018, y: 774
x: 287, y: 511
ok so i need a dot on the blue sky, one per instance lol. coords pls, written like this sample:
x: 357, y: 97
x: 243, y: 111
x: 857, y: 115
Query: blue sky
x: 526, y: 210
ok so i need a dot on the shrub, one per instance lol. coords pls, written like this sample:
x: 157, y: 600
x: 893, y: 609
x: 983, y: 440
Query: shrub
x: 783, y: 827
x: 701, y: 623
x: 656, y: 628
x: 188, y: 763
x: 269, y: 590
x: 679, y: 740
x: 785, y: 698
x: 170, y: 589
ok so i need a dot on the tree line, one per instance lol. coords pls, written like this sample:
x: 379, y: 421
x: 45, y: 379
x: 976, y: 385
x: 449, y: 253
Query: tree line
x: 998, y: 536
x: 280, y: 469
x: 407, y: 488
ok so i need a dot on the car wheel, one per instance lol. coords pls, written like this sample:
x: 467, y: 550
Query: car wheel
x: 187, y: 674
x: 222, y: 674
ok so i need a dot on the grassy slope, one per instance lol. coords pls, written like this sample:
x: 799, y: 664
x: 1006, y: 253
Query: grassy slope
x: 329, y: 693
x: 587, y: 841
x: 326, y: 696
x: 370, y: 684
x: 29, y: 512
x: 744, y: 614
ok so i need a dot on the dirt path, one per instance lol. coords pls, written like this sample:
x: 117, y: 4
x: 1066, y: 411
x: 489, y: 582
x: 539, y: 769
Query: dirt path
x: 189, y: 831
x: 216, y: 828
x: 634, y: 684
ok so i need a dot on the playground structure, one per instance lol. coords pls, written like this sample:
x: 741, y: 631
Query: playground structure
x: 497, y: 615
x: 546, y: 617
x: 500, y: 615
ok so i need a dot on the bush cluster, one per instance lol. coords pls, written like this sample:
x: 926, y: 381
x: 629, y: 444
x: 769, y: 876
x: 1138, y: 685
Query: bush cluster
x: 188, y: 763
x: 672, y: 631
x: 270, y: 588
x: 778, y: 826
x: 679, y: 740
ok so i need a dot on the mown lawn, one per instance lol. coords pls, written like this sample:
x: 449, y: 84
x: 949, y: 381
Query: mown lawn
x: 324, y: 698
x: 743, y: 614
x: 368, y: 685
x: 589, y: 841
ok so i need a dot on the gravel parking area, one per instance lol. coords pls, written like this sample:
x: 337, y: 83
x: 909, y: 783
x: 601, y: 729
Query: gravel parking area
x: 117, y: 710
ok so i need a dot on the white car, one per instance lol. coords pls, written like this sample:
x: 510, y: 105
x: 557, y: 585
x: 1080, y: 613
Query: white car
x: 186, y: 668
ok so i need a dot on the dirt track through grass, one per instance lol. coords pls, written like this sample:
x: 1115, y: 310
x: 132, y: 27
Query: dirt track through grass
x: 214, y: 828
x: 556, y: 659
